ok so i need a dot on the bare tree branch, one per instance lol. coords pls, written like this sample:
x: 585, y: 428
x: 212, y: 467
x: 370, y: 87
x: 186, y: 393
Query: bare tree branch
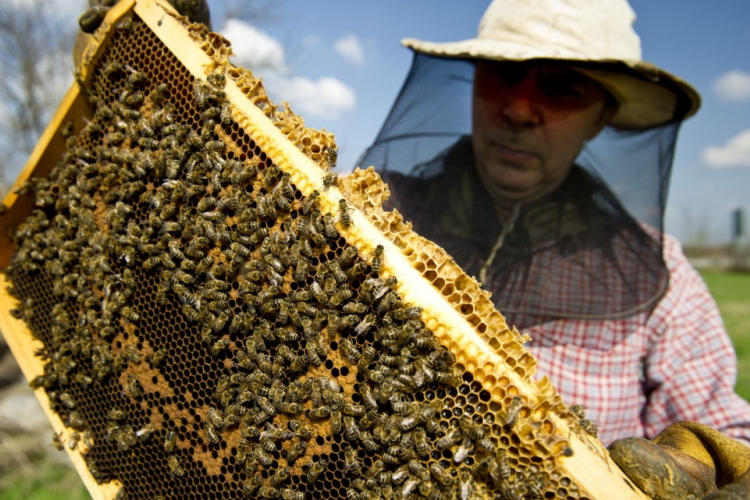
x: 35, y: 71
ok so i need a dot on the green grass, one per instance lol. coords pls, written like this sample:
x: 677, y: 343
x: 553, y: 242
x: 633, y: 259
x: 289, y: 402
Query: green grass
x: 39, y: 478
x: 732, y: 293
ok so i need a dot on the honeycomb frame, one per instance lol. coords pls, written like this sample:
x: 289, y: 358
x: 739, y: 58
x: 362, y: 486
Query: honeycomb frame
x: 453, y: 307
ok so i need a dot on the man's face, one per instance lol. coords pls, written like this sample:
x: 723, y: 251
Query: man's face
x: 530, y: 121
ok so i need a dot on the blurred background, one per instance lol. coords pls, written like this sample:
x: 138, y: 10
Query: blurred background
x: 340, y: 65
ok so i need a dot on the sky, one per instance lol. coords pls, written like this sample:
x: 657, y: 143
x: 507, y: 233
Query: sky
x: 341, y: 66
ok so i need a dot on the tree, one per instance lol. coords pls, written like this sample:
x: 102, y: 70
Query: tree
x: 36, y: 40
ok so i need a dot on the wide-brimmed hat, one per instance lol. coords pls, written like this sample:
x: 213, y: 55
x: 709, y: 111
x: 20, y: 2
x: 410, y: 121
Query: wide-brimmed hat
x: 595, y: 36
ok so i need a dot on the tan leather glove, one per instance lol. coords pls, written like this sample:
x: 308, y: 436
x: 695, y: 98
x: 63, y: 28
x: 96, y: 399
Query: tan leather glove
x: 687, y: 460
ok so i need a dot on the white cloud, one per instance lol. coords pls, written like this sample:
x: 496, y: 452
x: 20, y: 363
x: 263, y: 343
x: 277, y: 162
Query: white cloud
x: 351, y: 49
x: 325, y: 97
x: 253, y: 48
x: 733, y: 86
x: 735, y: 153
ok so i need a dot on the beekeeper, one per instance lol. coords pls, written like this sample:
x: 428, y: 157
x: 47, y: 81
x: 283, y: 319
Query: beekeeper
x: 538, y: 154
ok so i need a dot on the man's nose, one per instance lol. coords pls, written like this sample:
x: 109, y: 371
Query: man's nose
x: 521, y: 107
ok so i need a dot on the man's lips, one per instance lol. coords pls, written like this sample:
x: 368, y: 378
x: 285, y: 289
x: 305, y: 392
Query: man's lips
x: 513, y: 153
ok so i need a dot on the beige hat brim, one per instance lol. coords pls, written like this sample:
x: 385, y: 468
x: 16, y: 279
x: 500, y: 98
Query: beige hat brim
x: 648, y: 96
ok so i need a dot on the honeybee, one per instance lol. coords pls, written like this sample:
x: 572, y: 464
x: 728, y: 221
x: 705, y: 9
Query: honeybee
x: 148, y: 143
x: 159, y: 94
x: 67, y: 400
x: 511, y: 491
x: 130, y: 314
x: 175, y: 466
x: 117, y: 415
x: 350, y: 352
x: 463, y: 450
x: 158, y: 357
x: 169, y: 441
x: 300, y: 429
x: 215, y: 417
x: 285, y: 187
x: 281, y: 475
x: 503, y: 466
x: 578, y: 411
x: 368, y: 354
x: 355, y: 308
x: 212, y: 434
x: 250, y: 486
x: 217, y: 80
x: 144, y: 433
x: 289, y: 494
x: 113, y: 68
x: 351, y: 430
x: 132, y: 353
x: 336, y: 421
x: 218, y: 325
x: 125, y: 25
x: 344, y: 217
x: 296, y: 451
x: 57, y: 441
x: 366, y: 323
x: 73, y: 440
x: 351, y: 463
x: 340, y: 297
x: 268, y: 492
x: 310, y: 202
x: 315, y: 469
x: 449, y: 439
x: 514, y: 408
x: 331, y: 155
x: 352, y: 494
x: 126, y: 438
x: 409, y: 486
x: 134, y: 387
x: 588, y: 426
x: 262, y: 456
x: 226, y: 114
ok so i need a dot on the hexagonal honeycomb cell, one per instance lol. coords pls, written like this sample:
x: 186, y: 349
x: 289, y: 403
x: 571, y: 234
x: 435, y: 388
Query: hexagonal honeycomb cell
x: 224, y: 319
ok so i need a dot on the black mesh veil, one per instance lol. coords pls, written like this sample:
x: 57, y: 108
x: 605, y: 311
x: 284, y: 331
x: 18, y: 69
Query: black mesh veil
x: 592, y: 251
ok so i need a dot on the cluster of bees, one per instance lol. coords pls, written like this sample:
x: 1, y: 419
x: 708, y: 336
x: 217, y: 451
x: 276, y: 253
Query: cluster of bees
x: 274, y: 290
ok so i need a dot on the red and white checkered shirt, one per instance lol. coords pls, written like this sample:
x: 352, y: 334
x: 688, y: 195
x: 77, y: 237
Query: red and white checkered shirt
x: 639, y: 374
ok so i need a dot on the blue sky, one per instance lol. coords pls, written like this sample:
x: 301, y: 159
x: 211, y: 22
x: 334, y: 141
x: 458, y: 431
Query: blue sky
x: 697, y: 40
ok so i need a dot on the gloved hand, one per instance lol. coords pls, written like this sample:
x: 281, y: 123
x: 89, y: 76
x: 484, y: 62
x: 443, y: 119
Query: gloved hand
x: 195, y: 10
x: 686, y: 461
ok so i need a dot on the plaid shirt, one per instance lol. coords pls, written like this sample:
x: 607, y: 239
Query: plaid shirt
x: 639, y: 374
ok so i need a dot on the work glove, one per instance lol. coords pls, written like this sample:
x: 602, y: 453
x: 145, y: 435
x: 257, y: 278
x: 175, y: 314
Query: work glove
x: 686, y: 461
x: 195, y: 10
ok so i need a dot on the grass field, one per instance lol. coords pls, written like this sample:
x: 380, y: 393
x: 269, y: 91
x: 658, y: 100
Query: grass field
x: 37, y: 477
x: 732, y: 293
